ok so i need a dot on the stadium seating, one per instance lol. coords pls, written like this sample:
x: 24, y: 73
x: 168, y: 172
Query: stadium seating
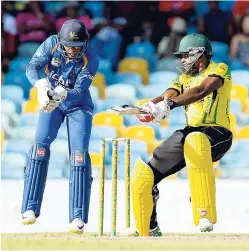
x: 166, y: 64
x: 177, y: 117
x: 235, y: 107
x: 12, y: 92
x: 19, y: 65
x: 103, y: 130
x: 145, y: 51
x: 23, y: 133
x: 243, y: 133
x: 54, y: 6
x: 240, y: 93
x: 133, y: 79
x: 60, y: 146
x: 109, y: 119
x: 2, y: 138
x: 153, y: 90
x: 140, y: 77
x: 20, y: 79
x: 240, y: 77
x: 28, y: 119
x: 12, y: 165
x: 121, y: 166
x: 128, y: 78
x: 95, y: 159
x: 162, y: 77
x: 33, y: 93
x: 136, y: 65
x: 96, y: 8
x: 94, y: 144
x: 105, y: 68
x: 99, y: 82
x: 27, y: 49
x: 17, y: 146
x: 125, y: 92
x: 103, y: 105
x: 8, y: 106
x: 30, y: 106
x: 140, y: 132
x: 233, y: 124
x: 221, y: 51
x: 94, y: 92
x: 137, y: 146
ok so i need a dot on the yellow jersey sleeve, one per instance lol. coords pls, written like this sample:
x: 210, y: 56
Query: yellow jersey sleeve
x: 222, y: 71
x: 176, y: 85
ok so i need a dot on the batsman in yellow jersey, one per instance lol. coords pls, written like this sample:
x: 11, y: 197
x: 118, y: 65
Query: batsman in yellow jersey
x: 203, y: 89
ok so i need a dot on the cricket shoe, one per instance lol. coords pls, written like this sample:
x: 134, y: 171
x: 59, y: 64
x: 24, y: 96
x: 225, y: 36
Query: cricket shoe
x: 155, y: 232
x: 205, y: 225
x: 28, y: 218
x: 77, y: 226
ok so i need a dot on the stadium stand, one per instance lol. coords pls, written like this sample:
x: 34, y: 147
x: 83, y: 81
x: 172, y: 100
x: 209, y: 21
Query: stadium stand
x: 130, y: 71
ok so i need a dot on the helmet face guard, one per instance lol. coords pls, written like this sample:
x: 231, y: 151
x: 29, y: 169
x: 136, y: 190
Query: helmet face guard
x: 63, y: 43
x: 187, y: 65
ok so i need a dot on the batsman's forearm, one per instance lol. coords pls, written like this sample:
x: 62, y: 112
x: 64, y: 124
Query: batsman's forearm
x: 170, y: 93
x: 189, y: 97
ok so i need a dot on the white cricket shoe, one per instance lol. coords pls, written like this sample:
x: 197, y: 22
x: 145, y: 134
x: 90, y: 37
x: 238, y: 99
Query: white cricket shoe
x: 155, y: 232
x: 28, y: 218
x: 205, y: 225
x: 129, y: 232
x: 77, y: 226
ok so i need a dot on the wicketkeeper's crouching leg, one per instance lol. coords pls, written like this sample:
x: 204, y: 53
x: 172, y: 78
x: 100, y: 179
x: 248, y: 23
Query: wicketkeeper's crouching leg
x: 34, y: 183
x: 79, y: 189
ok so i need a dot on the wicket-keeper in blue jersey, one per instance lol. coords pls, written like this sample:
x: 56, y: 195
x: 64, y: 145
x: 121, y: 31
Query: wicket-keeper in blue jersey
x: 64, y: 94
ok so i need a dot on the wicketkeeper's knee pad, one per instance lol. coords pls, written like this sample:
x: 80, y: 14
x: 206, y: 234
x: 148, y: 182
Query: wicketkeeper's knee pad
x: 80, y: 185
x: 197, y: 153
x: 141, y: 187
x: 35, y: 177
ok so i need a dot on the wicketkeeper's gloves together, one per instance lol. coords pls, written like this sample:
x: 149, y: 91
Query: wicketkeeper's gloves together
x: 49, y: 99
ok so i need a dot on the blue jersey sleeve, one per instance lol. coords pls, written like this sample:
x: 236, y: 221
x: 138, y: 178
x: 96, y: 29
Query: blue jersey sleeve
x: 83, y: 80
x: 40, y: 59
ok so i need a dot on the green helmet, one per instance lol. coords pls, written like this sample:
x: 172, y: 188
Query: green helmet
x: 194, y: 43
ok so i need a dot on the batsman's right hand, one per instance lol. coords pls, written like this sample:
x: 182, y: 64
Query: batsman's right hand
x: 156, y: 112
x: 149, y: 108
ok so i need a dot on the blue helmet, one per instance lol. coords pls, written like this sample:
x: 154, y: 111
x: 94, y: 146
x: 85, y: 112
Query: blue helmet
x: 73, y: 33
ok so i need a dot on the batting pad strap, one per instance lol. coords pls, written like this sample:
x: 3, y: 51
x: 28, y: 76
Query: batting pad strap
x: 80, y: 185
x: 141, y: 188
x: 197, y: 153
x: 35, y: 177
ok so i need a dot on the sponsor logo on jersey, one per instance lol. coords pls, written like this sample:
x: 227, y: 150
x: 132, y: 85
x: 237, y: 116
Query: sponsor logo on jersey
x: 56, y: 62
x: 79, y: 158
x: 41, y: 152
x: 89, y: 76
x: 60, y: 81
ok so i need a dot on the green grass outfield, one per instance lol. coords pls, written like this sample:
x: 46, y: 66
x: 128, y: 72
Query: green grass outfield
x: 170, y: 241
